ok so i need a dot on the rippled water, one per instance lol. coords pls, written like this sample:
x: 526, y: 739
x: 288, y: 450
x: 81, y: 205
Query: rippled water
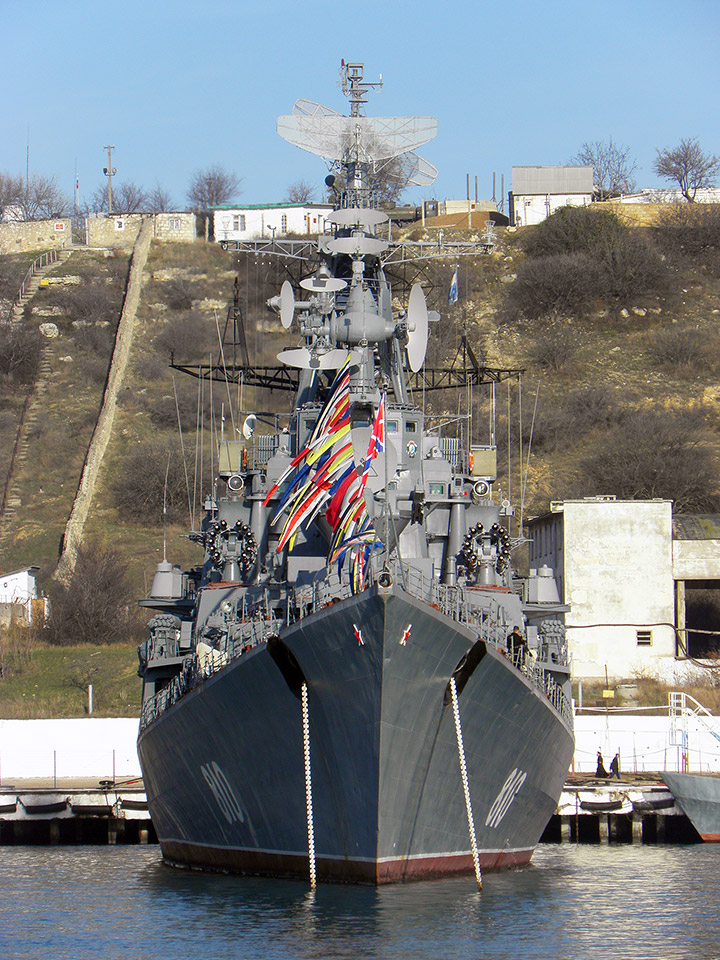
x: 573, y: 902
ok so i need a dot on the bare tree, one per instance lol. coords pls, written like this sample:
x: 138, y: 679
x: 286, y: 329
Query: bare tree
x: 688, y: 166
x: 613, y: 167
x: 128, y: 197
x: 300, y: 192
x: 159, y: 200
x: 211, y: 187
x: 12, y: 190
x: 96, y: 607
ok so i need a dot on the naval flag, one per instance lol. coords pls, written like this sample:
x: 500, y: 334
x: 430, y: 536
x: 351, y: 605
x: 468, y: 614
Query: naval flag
x: 453, y: 294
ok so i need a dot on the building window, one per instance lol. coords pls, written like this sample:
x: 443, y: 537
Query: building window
x: 283, y: 223
x: 644, y: 638
x: 174, y: 223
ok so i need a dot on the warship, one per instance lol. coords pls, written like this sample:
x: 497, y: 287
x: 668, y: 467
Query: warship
x: 337, y: 692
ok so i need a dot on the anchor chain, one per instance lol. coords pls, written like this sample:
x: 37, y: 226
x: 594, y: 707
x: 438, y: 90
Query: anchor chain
x: 308, y: 786
x: 465, y: 783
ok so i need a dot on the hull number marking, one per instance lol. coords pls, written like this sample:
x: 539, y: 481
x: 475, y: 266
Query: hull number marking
x: 223, y: 792
x: 506, y: 796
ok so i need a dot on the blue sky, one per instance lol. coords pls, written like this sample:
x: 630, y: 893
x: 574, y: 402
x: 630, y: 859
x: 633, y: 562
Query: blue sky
x: 179, y: 86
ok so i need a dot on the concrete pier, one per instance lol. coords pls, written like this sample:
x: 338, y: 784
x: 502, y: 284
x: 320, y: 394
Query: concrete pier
x: 67, y: 812
x: 632, y: 810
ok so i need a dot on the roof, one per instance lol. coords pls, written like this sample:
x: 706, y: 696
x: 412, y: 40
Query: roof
x: 539, y: 180
x: 14, y: 573
x: 270, y: 206
x: 697, y: 527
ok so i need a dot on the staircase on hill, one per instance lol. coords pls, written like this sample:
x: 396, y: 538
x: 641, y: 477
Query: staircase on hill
x: 40, y: 268
x: 11, y: 492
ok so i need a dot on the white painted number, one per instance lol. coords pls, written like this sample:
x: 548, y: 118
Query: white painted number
x: 506, y: 796
x: 223, y: 792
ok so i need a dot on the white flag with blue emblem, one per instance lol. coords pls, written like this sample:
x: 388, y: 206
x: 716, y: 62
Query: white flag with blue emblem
x: 453, y: 294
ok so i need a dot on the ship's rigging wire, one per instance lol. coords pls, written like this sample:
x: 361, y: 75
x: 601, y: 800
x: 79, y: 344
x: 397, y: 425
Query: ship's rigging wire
x: 529, y: 450
x: 520, y: 451
x: 227, y: 381
x: 182, y: 453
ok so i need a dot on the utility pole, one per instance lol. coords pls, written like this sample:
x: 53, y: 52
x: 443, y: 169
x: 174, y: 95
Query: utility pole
x: 109, y: 172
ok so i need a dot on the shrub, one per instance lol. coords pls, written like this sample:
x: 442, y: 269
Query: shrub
x: 564, y: 283
x: 582, y: 257
x: 95, y: 606
x: 553, y: 345
x: 573, y: 230
x: 189, y: 337
x: 583, y: 409
x: 679, y: 347
x: 178, y: 293
x: 692, y: 230
x: 20, y: 350
x: 91, y: 302
x: 149, y: 478
x: 630, y: 268
x: 655, y: 454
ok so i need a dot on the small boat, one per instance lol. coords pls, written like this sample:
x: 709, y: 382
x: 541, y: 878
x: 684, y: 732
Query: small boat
x: 698, y: 795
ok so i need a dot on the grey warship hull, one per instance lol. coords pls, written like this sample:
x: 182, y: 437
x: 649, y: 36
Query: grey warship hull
x: 386, y: 793
x: 699, y: 796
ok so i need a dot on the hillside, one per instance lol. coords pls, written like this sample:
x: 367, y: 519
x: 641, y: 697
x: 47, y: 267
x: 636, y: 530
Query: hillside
x: 589, y: 378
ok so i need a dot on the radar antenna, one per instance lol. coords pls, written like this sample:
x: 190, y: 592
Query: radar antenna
x: 360, y: 146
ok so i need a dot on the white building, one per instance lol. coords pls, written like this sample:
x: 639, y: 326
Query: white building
x: 19, y: 594
x: 630, y: 572
x: 538, y: 192
x: 669, y: 195
x: 264, y: 221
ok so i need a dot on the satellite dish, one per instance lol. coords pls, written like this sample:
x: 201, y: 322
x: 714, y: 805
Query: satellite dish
x: 323, y: 284
x: 354, y: 216
x: 299, y: 358
x: 248, y: 427
x: 304, y: 360
x: 357, y: 246
x: 417, y: 325
x: 287, y: 304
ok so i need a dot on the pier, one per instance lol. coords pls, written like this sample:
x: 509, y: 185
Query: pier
x: 66, y: 812
x: 73, y: 812
x: 636, y: 809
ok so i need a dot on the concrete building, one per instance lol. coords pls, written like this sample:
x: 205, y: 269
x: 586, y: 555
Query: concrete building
x: 538, y: 192
x: 265, y: 221
x: 121, y: 230
x: 632, y: 574
x: 19, y: 236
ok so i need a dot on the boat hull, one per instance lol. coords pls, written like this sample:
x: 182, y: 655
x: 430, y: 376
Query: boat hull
x: 224, y: 766
x: 699, y: 797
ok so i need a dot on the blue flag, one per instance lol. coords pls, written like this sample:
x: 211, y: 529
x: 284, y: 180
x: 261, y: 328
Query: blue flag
x: 453, y: 294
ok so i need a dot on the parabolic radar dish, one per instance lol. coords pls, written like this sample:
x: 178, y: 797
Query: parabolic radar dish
x: 333, y: 136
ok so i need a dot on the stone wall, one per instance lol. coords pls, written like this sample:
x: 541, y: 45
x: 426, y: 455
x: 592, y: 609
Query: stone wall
x: 23, y: 235
x: 122, y: 230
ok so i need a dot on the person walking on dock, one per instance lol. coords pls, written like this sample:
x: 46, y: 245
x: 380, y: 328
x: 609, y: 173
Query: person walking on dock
x: 601, y: 771
x: 615, y: 766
